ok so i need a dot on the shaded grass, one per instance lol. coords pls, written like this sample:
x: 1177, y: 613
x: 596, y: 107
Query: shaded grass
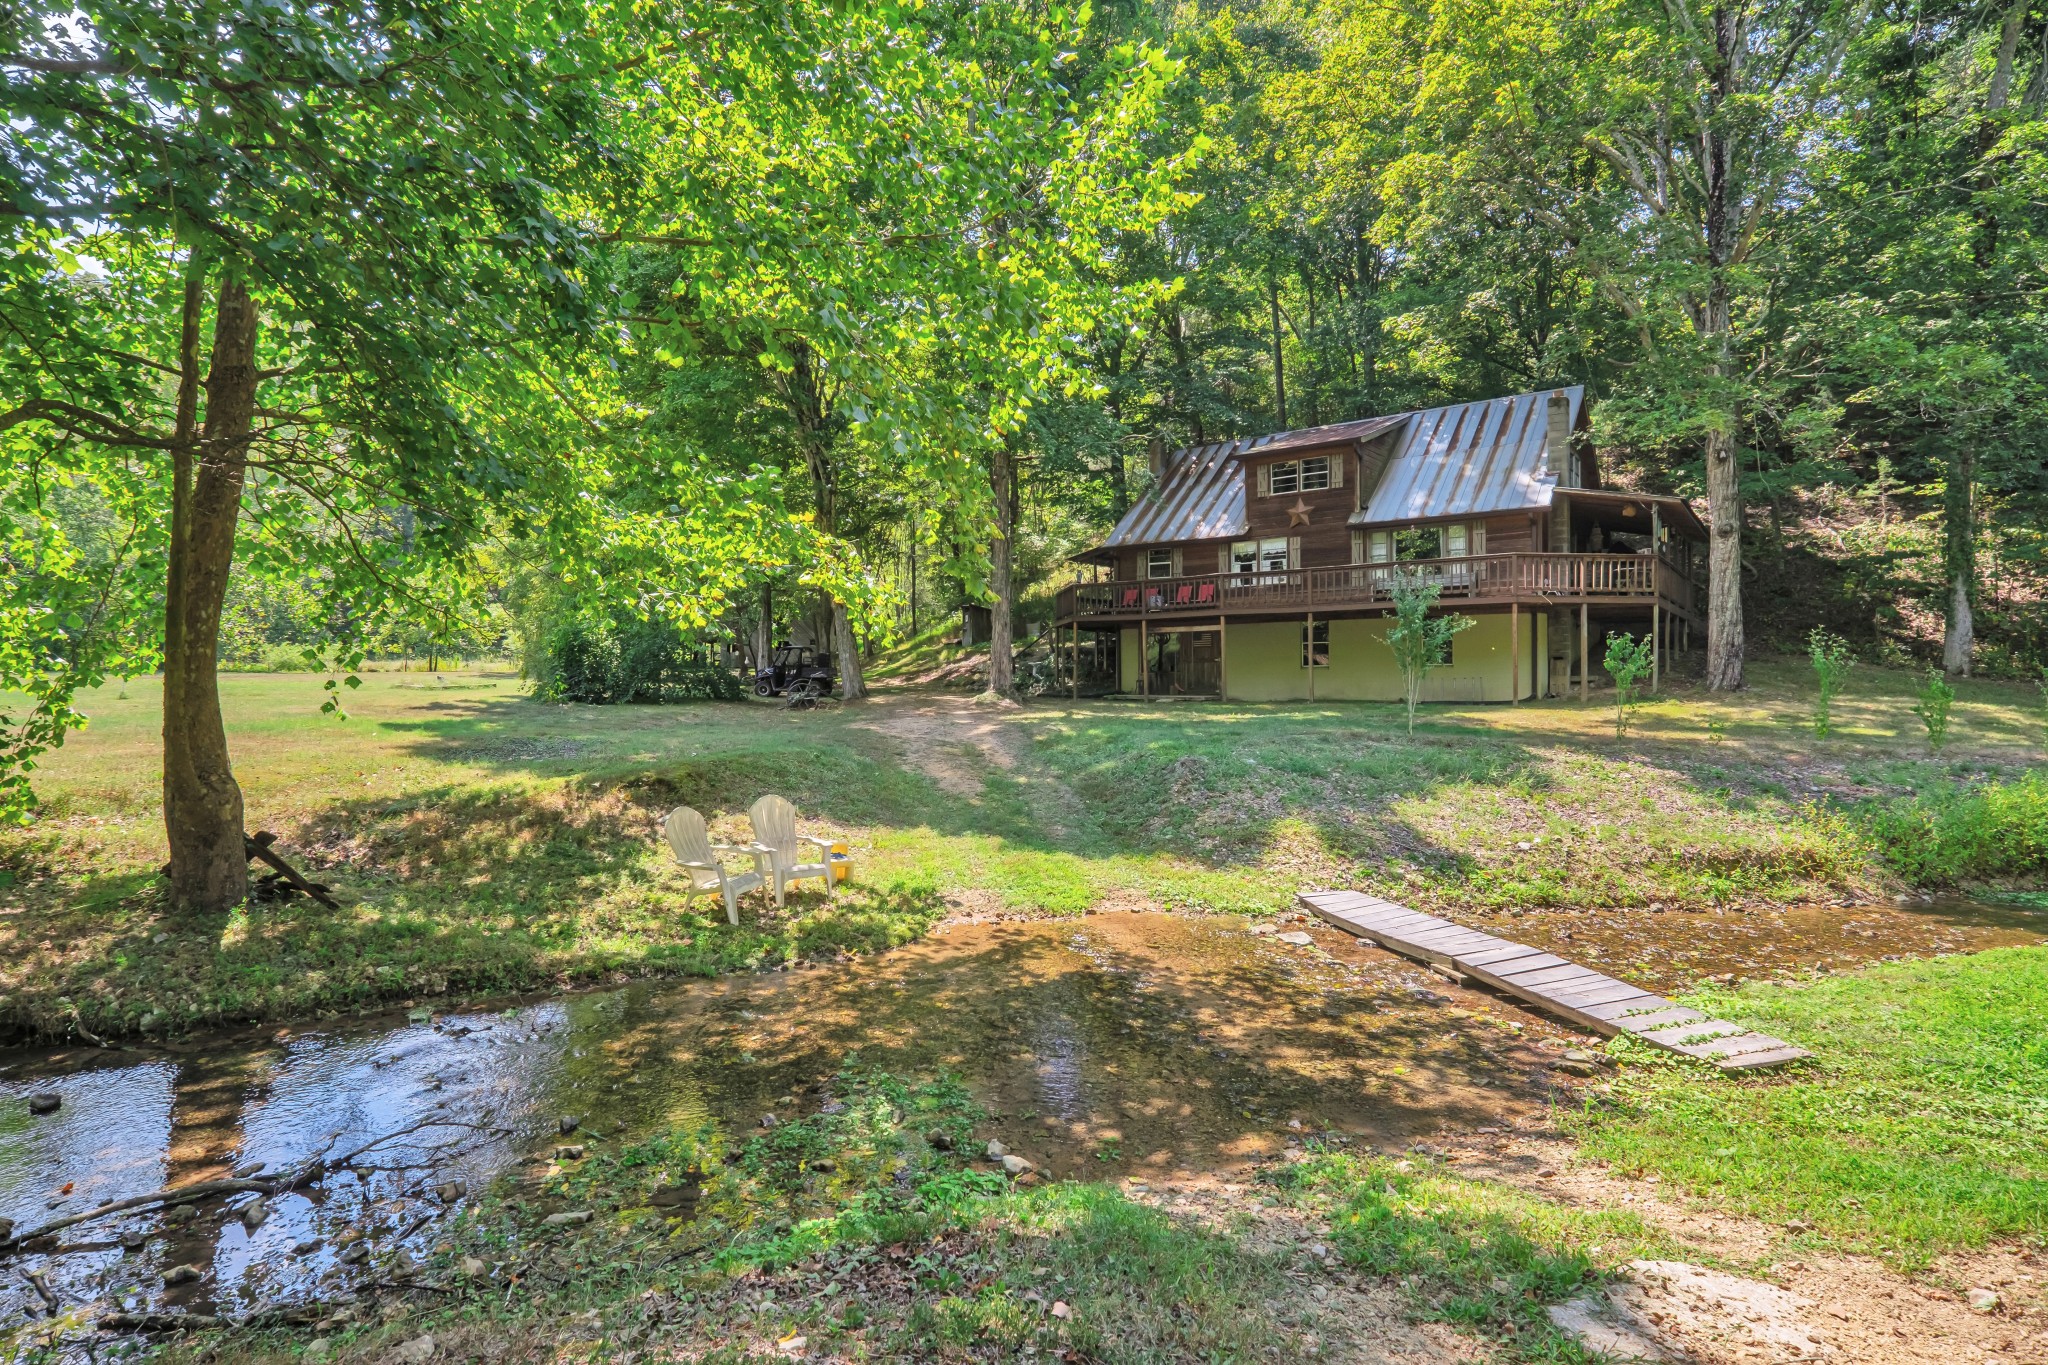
x: 1922, y: 1125
x: 487, y: 842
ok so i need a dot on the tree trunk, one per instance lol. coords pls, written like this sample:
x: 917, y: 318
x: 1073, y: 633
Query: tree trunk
x: 209, y: 868
x: 1959, y: 560
x: 811, y: 407
x: 1724, y: 489
x: 1279, y: 358
x: 1002, y: 680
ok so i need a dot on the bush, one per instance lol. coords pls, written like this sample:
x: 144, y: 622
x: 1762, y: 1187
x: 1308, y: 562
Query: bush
x: 1995, y: 832
x: 1830, y: 655
x: 605, y: 663
x: 1936, y: 697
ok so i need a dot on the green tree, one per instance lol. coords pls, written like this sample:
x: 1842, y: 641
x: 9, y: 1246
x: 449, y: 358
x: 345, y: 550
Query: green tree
x: 1421, y: 643
x: 1629, y: 661
x: 1829, y: 654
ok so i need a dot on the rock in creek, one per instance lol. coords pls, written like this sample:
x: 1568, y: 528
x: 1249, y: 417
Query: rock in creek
x: 569, y: 1152
x: 472, y: 1268
x: 448, y: 1191
x: 254, y: 1212
x: 354, y: 1254
x: 668, y: 1196
x: 133, y: 1241
x: 571, y: 1219
x: 1016, y: 1165
x: 995, y: 1150
x: 940, y: 1139
x: 568, y: 1123
x: 307, y: 1247
x: 45, y: 1103
x: 181, y: 1274
x: 415, y: 1352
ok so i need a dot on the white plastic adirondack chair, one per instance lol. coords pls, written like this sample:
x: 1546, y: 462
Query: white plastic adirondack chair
x: 693, y: 848
x: 776, y: 839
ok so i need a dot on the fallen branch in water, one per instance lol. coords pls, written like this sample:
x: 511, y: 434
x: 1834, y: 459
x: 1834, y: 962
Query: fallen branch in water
x: 310, y: 1171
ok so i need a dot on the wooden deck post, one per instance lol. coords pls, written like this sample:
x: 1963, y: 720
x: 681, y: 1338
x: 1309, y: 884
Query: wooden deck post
x: 1077, y: 659
x: 1222, y: 658
x: 1144, y: 656
x: 1309, y: 653
x: 1585, y: 655
x: 1656, y: 643
x: 1514, y: 653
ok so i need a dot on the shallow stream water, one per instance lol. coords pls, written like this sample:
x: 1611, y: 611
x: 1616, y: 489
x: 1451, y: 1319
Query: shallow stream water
x: 1147, y: 1045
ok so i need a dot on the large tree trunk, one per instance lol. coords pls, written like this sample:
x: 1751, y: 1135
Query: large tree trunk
x: 1715, y: 322
x: 1959, y: 560
x: 805, y: 394
x: 209, y: 868
x: 1002, y: 679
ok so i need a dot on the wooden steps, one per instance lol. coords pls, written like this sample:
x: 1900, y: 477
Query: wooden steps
x: 1588, y: 998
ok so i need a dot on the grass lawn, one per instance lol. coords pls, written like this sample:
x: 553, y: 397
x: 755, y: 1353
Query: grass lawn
x: 1921, y: 1126
x: 485, y: 842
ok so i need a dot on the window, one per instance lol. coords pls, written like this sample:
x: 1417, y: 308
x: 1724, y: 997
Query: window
x: 1268, y: 555
x: 1379, y: 547
x: 1311, y: 475
x: 1315, y: 643
x: 1159, y: 563
x: 1455, y: 541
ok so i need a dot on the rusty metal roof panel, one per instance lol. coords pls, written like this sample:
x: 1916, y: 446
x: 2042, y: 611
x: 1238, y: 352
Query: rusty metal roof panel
x: 1470, y: 459
x: 1309, y: 438
x: 1199, y: 497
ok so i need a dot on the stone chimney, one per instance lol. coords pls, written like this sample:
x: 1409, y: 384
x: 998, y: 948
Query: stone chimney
x: 1155, y: 455
x: 1557, y: 449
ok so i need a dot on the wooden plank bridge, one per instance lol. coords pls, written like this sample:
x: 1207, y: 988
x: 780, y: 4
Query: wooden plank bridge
x: 1588, y: 998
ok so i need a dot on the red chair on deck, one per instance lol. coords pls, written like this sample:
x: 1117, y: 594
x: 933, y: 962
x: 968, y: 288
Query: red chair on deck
x: 1128, y: 600
x: 1205, y: 595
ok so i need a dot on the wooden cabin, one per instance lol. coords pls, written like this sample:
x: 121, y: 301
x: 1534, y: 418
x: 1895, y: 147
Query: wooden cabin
x: 1259, y: 569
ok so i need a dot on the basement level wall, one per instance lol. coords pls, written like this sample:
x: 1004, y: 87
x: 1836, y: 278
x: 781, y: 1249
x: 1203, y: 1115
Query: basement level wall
x: 1264, y: 661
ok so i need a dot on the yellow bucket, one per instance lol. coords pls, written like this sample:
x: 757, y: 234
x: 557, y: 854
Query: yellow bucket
x: 842, y: 864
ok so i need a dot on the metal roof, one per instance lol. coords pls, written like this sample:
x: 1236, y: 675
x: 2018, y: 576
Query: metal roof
x: 1467, y: 459
x: 1470, y: 459
x: 1199, y: 496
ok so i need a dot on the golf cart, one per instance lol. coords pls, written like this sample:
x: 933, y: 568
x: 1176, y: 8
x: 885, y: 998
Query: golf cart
x: 794, y: 667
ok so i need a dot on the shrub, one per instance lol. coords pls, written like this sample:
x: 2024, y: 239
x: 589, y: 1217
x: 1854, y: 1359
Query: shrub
x: 1998, y: 831
x: 1628, y: 661
x: 1936, y: 697
x: 604, y: 662
x: 1421, y: 642
x: 1831, y: 662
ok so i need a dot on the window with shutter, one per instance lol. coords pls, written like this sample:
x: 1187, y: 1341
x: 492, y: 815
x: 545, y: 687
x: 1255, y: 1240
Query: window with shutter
x: 1337, y: 463
x: 1382, y: 547
x: 1455, y: 544
x: 1159, y: 563
x: 1478, y: 537
x: 1358, y: 547
x: 1314, y: 474
x: 1223, y: 559
x: 1294, y: 552
x: 1265, y: 481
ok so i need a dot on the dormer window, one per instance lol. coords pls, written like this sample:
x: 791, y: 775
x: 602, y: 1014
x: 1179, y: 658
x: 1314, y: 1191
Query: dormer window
x: 1309, y: 474
x: 1288, y: 477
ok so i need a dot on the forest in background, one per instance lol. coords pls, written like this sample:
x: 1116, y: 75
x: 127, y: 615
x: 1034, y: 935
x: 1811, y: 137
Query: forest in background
x: 1386, y: 209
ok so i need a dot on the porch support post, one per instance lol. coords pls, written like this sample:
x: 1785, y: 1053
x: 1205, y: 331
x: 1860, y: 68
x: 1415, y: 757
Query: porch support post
x: 1222, y: 658
x: 1144, y: 657
x: 1309, y: 653
x: 1585, y: 655
x: 1656, y: 642
x: 1077, y: 659
x: 1514, y: 653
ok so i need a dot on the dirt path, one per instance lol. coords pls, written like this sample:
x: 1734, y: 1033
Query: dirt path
x: 964, y: 745
x: 1797, y: 1305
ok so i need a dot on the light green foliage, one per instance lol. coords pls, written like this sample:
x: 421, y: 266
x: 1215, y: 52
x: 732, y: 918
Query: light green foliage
x: 1948, y: 835
x: 1629, y: 661
x: 1922, y: 1127
x: 1936, y: 700
x: 1830, y: 656
x: 1421, y: 643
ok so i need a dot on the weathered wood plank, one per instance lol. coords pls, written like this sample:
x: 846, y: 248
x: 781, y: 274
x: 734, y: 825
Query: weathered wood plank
x: 1585, y: 995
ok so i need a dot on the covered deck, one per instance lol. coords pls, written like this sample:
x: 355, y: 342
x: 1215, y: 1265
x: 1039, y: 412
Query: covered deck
x: 1535, y: 581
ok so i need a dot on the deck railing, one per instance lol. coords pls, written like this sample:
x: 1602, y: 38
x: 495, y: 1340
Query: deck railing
x: 1526, y: 578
